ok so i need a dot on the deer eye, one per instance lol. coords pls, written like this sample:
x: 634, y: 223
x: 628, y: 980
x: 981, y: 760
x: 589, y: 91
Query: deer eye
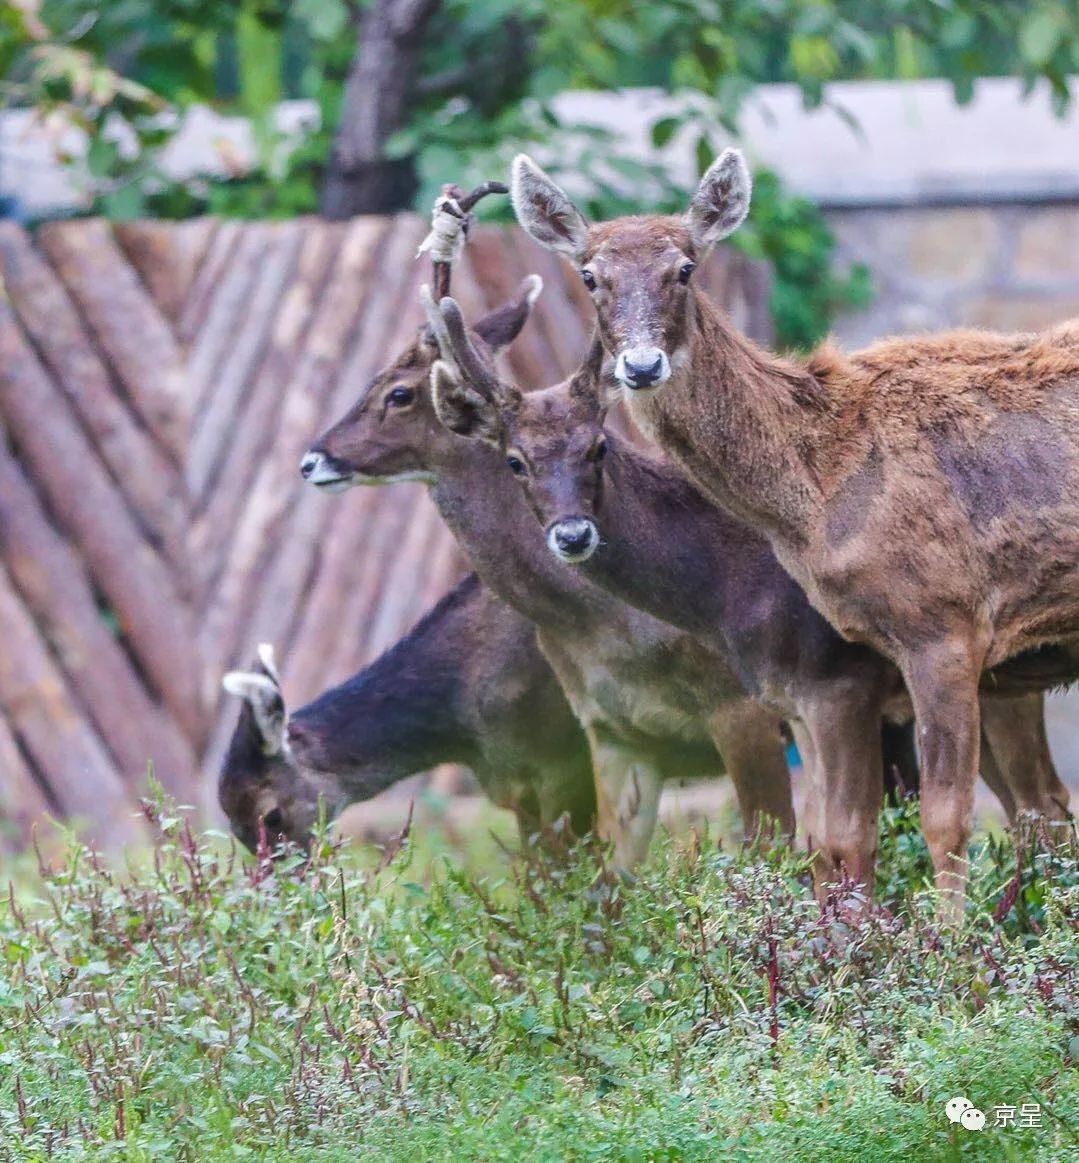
x: 400, y: 397
x: 274, y: 820
x: 517, y: 466
x: 589, y: 280
x: 684, y: 272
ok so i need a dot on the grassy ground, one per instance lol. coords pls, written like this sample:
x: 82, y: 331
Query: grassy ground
x: 201, y: 1005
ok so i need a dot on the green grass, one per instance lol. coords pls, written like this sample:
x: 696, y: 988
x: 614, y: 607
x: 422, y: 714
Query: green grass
x: 203, y: 1005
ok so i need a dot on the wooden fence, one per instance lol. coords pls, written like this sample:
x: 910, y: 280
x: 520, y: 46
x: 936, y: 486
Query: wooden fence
x: 158, y: 385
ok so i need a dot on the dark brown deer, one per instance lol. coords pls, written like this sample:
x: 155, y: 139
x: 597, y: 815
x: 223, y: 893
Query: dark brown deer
x: 925, y: 492
x: 468, y: 685
x: 668, y: 550
x: 654, y: 703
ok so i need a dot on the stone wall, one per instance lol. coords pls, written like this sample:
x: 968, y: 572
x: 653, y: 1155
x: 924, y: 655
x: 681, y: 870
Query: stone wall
x: 1009, y: 267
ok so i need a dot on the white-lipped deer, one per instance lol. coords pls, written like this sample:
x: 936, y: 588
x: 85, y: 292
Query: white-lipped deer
x: 924, y: 492
x: 467, y: 685
x: 667, y: 549
x: 655, y: 704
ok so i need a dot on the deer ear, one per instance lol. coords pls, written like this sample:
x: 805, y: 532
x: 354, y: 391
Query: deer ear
x: 460, y: 408
x: 721, y: 202
x: 264, y: 704
x: 501, y: 326
x: 544, y: 210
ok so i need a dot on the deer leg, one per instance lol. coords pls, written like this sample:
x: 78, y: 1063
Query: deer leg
x: 811, y: 803
x: 943, y: 682
x: 848, y: 776
x: 1014, y: 729
x: 747, y: 736
x: 628, y: 788
x: 995, y: 779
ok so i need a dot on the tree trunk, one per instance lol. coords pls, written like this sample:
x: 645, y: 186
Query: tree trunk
x: 383, y: 77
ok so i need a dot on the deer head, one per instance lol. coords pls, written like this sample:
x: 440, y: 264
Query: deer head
x: 553, y: 440
x: 262, y: 786
x: 385, y: 437
x: 391, y: 433
x: 638, y: 270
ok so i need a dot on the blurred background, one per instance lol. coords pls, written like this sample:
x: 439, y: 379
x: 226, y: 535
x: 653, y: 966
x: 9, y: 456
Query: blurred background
x: 210, y: 211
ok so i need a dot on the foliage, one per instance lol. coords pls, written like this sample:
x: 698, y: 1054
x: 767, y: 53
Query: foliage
x: 490, y: 71
x: 201, y: 1007
x: 807, y: 291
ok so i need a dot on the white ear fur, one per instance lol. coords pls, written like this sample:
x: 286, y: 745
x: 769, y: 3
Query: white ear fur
x: 534, y: 283
x: 721, y: 202
x: 263, y: 696
x: 269, y: 661
x: 544, y: 210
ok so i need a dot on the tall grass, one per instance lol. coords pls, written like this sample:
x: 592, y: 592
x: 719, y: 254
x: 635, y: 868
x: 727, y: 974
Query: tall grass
x: 205, y: 1005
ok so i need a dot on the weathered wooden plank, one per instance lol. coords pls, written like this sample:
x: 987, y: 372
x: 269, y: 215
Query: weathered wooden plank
x: 269, y: 560
x: 382, y: 542
x: 126, y: 323
x: 40, y: 708
x: 140, y: 588
x: 22, y: 799
x: 566, y: 314
x: 498, y: 271
x: 204, y: 286
x: 215, y: 422
x: 56, y: 590
x: 258, y: 424
x: 149, y: 481
x: 167, y: 256
x: 322, y: 624
x: 396, y: 608
x: 225, y: 310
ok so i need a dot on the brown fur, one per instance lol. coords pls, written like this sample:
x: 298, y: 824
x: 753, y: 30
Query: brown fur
x: 945, y: 575
x: 729, y: 591
x: 468, y: 685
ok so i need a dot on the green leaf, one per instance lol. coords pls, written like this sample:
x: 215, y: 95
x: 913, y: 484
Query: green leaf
x: 1041, y: 35
x: 663, y: 130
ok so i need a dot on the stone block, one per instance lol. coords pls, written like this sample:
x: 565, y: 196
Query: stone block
x: 1018, y: 312
x: 955, y: 245
x: 1048, y: 245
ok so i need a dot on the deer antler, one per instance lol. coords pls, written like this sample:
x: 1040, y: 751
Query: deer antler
x: 474, y: 368
x: 451, y: 221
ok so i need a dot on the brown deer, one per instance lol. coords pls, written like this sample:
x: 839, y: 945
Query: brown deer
x: 670, y: 551
x: 468, y: 685
x: 925, y: 492
x: 654, y: 703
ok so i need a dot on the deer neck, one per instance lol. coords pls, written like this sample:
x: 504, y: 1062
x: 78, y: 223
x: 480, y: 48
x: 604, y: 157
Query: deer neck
x: 399, y: 715
x: 742, y: 423
x: 487, y: 513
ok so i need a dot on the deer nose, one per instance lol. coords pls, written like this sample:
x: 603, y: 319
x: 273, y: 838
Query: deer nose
x: 574, y: 539
x: 309, y: 464
x: 642, y: 367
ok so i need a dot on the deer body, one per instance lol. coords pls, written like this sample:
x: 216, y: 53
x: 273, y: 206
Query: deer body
x: 925, y: 493
x: 670, y: 551
x: 654, y: 703
x: 468, y: 685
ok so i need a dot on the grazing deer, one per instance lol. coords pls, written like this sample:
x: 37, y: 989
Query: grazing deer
x: 924, y: 492
x: 670, y: 551
x: 468, y: 685
x: 654, y: 703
